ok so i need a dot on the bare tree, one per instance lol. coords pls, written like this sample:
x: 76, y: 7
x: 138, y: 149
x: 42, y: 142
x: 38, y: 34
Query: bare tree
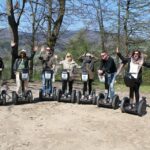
x: 14, y: 13
x: 55, y: 11
x: 36, y: 15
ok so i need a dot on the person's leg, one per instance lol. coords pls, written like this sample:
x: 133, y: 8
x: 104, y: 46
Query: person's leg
x: 64, y: 86
x: 18, y: 83
x: 49, y: 85
x: 131, y: 94
x: 70, y: 86
x: 137, y: 95
x: 111, y: 86
x: 84, y: 87
x: 26, y: 82
x: 90, y: 85
x: 106, y: 87
x: 43, y: 85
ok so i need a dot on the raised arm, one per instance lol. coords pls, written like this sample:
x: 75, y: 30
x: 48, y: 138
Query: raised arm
x: 124, y: 60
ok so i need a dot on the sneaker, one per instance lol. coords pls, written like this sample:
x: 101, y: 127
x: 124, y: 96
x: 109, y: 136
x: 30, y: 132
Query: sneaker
x: 82, y: 97
x: 44, y: 94
x: 90, y: 96
x: 110, y: 100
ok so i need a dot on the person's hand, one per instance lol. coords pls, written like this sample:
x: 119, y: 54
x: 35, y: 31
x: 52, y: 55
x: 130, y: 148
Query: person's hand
x: 13, y: 43
x: 35, y: 49
x: 117, y: 50
x: 100, y: 72
x: 42, y: 49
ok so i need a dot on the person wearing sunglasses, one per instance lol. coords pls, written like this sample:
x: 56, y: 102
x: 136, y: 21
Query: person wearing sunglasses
x: 68, y: 64
x: 135, y: 62
x: 48, y: 61
x: 108, y: 69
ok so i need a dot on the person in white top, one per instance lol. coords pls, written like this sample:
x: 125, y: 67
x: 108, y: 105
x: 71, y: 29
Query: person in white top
x: 134, y: 71
x: 68, y: 64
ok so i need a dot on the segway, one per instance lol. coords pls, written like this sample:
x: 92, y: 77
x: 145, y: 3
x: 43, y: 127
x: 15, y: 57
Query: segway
x: 47, y: 93
x: 135, y: 108
x: 84, y: 98
x: 66, y: 97
x: 3, y: 97
x: 104, y: 101
x: 24, y: 96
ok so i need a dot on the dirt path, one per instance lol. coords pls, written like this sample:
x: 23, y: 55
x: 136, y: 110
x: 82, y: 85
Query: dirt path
x: 65, y: 126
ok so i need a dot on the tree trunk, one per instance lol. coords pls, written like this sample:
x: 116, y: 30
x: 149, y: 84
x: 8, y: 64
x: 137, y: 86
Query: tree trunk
x: 126, y: 26
x: 118, y: 35
x: 101, y: 24
x: 53, y: 31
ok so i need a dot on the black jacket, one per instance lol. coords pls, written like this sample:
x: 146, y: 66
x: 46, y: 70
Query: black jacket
x: 108, y: 66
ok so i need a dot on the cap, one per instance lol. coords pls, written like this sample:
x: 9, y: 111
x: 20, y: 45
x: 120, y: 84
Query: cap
x: 23, y: 51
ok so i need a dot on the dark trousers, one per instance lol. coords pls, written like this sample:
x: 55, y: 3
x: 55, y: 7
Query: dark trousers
x: 135, y: 90
x: 87, y: 86
x: 64, y: 86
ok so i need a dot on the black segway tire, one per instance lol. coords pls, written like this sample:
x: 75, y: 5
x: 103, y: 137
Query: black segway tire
x: 78, y: 97
x: 100, y: 97
x: 3, y: 95
x: 14, y: 98
x: 124, y: 103
x: 115, y: 102
x: 54, y: 94
x: 29, y: 96
x: 141, y: 109
x: 73, y: 96
x: 40, y: 94
x: 59, y: 93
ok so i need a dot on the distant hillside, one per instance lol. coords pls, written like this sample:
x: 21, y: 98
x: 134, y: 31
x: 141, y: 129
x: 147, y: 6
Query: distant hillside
x: 25, y: 39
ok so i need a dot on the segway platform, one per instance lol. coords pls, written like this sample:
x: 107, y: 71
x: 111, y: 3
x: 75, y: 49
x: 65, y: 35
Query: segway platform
x: 66, y: 97
x: 86, y: 99
x: 25, y: 95
x: 48, y: 96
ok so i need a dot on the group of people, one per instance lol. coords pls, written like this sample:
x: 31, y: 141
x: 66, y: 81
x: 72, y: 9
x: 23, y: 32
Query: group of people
x: 107, y: 68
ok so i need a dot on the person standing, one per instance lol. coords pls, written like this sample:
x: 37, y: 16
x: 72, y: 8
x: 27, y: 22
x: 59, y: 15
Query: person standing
x: 108, y: 69
x: 134, y: 69
x: 48, y: 63
x: 21, y: 63
x: 68, y: 64
x: 88, y: 61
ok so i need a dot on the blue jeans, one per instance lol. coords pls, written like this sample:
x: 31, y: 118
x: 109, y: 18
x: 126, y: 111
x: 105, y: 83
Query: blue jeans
x: 110, y: 80
x: 46, y: 85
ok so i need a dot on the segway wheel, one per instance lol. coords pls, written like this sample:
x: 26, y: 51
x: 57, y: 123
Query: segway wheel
x: 125, y: 102
x: 29, y: 96
x: 78, y: 97
x: 115, y: 102
x: 54, y: 94
x: 14, y: 98
x: 73, y: 96
x: 100, y: 97
x: 40, y: 94
x: 141, y: 110
x: 94, y: 98
x: 4, y: 97
x: 59, y: 95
